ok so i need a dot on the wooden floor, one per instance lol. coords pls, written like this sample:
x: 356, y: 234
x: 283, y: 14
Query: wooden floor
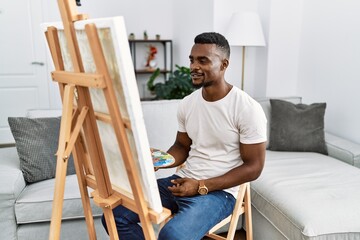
x: 239, y: 235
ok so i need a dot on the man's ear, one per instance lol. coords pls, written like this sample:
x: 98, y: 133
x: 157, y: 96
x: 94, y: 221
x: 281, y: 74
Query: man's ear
x: 224, y: 64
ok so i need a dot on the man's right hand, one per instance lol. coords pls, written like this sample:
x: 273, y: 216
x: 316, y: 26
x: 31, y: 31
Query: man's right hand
x: 184, y: 187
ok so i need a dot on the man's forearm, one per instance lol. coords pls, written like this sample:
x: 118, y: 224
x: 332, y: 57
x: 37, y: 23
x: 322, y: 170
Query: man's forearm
x: 180, y: 153
x: 232, y: 178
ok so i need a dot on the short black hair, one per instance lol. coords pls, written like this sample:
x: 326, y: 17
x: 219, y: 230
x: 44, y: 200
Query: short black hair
x: 214, y: 38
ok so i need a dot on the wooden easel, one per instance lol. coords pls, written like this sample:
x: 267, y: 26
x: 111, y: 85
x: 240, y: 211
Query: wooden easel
x: 79, y: 134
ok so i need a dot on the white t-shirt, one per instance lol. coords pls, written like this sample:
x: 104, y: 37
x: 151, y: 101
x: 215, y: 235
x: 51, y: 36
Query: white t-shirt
x: 216, y: 130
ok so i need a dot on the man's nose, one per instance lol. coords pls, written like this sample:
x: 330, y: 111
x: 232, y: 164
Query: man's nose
x: 194, y: 66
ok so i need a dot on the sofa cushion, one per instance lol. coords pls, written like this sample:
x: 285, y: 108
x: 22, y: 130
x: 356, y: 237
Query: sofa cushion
x: 297, y: 127
x: 36, y: 143
x: 308, y: 195
x: 265, y: 104
x: 35, y: 202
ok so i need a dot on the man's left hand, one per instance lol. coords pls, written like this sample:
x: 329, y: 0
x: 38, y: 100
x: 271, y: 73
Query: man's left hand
x: 184, y: 187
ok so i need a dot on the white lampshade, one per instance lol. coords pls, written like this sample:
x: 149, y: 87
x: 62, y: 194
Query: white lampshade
x: 245, y: 30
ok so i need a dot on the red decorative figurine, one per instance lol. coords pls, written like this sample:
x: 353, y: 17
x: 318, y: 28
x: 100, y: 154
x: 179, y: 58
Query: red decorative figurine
x: 151, y: 55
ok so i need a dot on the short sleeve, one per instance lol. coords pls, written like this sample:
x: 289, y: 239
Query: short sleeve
x: 181, y: 117
x: 252, y: 125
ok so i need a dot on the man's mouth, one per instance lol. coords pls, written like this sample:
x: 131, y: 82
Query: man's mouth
x: 196, y: 75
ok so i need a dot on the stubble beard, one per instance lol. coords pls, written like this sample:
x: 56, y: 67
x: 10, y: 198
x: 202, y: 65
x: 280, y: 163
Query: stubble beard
x: 204, y: 84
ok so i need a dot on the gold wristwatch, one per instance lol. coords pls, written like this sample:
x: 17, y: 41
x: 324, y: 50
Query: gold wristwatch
x: 203, y: 190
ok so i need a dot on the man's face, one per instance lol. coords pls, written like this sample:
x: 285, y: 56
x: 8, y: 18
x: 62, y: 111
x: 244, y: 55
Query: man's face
x: 206, y: 65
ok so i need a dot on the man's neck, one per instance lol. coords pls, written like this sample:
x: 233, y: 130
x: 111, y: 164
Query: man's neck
x: 216, y: 92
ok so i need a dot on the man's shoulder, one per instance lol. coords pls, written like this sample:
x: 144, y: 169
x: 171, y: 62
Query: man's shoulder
x: 242, y: 97
x: 244, y: 104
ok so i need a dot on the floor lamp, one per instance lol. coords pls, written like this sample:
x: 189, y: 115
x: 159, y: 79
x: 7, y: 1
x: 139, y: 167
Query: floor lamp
x: 245, y: 30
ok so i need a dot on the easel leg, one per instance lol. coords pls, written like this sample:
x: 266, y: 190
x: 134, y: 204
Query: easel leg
x: 110, y: 223
x: 55, y: 225
x: 61, y: 163
x: 84, y: 193
x: 79, y: 155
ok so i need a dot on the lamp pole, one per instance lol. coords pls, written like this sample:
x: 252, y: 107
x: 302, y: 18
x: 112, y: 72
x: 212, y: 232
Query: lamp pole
x: 243, y: 68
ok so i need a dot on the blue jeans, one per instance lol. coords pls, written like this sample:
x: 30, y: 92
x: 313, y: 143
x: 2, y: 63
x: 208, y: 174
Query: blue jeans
x: 193, y: 216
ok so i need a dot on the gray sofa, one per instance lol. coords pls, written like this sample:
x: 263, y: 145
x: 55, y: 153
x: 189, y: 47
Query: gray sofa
x: 308, y: 195
x: 300, y: 195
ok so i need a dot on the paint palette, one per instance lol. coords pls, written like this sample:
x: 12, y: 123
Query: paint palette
x: 161, y: 158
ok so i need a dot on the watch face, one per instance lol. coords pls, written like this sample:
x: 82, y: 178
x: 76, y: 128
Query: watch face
x: 203, y: 191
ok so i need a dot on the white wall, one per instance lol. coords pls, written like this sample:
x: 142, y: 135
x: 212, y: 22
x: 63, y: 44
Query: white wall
x: 190, y: 18
x: 329, y: 62
x: 154, y: 16
x: 283, y: 47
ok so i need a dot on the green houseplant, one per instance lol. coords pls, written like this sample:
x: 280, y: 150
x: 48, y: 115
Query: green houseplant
x: 177, y: 86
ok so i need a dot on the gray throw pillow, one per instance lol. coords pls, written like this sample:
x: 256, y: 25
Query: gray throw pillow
x: 36, y: 143
x: 297, y: 127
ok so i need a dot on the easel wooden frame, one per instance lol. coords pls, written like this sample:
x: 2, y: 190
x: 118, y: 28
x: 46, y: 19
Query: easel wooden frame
x: 79, y: 134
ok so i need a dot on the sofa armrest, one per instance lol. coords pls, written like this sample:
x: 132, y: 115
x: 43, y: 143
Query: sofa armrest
x: 343, y: 149
x: 12, y: 184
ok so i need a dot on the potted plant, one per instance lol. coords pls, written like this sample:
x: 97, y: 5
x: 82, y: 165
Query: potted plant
x: 145, y: 35
x: 177, y: 86
x: 132, y: 36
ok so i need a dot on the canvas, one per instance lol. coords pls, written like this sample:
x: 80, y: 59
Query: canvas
x: 113, y: 37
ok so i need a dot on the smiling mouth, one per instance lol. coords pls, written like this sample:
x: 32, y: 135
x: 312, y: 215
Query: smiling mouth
x: 196, y: 75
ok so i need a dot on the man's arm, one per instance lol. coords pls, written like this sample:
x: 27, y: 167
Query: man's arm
x: 180, y: 149
x: 253, y: 156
